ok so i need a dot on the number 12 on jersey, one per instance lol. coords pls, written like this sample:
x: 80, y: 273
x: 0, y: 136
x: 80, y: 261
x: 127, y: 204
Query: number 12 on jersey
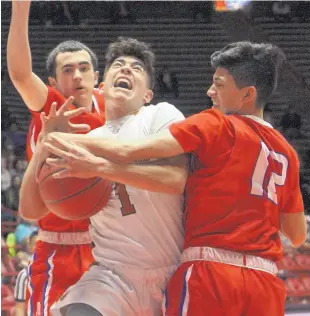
x: 260, y: 173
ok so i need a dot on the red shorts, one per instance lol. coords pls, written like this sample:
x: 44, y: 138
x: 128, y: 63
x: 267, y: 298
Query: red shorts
x: 205, y: 288
x: 52, y: 270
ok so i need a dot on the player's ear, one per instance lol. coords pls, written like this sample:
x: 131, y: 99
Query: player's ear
x: 96, y: 77
x: 148, y: 96
x: 250, y: 94
x: 52, y: 82
x: 101, y: 87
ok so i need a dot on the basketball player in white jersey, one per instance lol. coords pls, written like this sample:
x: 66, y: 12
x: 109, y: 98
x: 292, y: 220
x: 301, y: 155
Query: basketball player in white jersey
x: 138, y: 236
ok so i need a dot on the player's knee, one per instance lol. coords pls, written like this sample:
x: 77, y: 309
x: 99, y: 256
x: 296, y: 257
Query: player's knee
x: 80, y: 309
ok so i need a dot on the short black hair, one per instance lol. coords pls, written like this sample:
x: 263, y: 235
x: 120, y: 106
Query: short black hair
x: 252, y: 64
x: 133, y: 48
x: 68, y: 46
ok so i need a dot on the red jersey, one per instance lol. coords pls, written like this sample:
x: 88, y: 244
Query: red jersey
x: 94, y: 119
x: 245, y: 174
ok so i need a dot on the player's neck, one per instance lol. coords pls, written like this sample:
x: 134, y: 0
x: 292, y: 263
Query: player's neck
x: 254, y: 111
x: 88, y: 105
x: 115, y: 112
x: 258, y: 113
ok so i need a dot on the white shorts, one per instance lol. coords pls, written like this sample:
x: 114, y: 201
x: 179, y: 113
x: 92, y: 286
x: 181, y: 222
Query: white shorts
x: 120, y: 291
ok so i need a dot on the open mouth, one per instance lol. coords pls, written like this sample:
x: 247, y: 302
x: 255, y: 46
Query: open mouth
x: 123, y: 83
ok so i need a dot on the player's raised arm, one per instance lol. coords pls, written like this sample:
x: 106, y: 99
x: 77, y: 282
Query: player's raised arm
x: 29, y: 85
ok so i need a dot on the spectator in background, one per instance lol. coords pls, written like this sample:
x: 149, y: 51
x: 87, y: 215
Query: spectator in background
x: 27, y: 245
x: 20, y: 293
x: 5, y: 176
x: 282, y: 11
x: 202, y: 11
x: 120, y: 12
x: 305, y: 190
x: 4, y: 79
x: 6, y: 118
x: 24, y: 229
x: 22, y: 279
x: 19, y: 168
x: 291, y: 124
x: 168, y: 83
x: 18, y: 139
x: 12, y: 194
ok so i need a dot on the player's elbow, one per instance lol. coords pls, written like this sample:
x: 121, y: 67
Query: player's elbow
x: 29, y: 211
x: 18, y: 76
x: 294, y: 227
x: 298, y: 239
x: 25, y: 212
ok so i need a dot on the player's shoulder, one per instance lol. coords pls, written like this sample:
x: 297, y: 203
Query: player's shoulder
x: 161, y: 115
x: 165, y: 109
x: 53, y: 93
x: 213, y: 117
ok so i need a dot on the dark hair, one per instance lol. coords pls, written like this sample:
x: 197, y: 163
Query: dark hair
x: 133, y: 48
x: 68, y: 46
x: 251, y: 64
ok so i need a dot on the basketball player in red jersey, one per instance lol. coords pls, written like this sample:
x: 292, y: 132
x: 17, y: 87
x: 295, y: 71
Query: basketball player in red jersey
x: 63, y: 251
x: 242, y: 193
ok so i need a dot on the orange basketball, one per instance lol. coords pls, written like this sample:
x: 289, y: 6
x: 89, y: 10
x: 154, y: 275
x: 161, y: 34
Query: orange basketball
x: 73, y: 198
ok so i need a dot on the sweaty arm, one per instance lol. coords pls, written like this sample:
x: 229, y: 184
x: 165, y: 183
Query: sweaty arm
x: 160, y: 145
x: 166, y: 175
x: 294, y: 227
x: 31, y: 88
x: 193, y: 134
x: 293, y: 223
x: 31, y: 206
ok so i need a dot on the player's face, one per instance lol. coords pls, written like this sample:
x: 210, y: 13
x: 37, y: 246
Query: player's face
x: 127, y: 83
x: 75, y: 76
x: 224, y: 93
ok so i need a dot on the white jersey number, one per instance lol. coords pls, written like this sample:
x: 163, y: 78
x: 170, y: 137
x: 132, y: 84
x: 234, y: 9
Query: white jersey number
x: 127, y: 208
x: 259, y: 174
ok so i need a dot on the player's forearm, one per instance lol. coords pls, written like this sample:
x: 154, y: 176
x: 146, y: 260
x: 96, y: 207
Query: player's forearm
x: 31, y: 206
x: 108, y: 148
x: 157, y: 178
x: 160, y: 145
x: 18, y: 50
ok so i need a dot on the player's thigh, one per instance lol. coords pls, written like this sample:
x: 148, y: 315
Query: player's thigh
x: 53, y: 269
x: 265, y: 294
x: 101, y: 289
x: 204, y: 288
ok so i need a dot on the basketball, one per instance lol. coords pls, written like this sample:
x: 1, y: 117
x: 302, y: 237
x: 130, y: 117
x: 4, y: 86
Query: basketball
x: 73, y: 198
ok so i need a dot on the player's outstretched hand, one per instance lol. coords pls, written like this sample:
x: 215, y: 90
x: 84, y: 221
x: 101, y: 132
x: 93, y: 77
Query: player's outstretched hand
x: 75, y: 161
x: 59, y: 120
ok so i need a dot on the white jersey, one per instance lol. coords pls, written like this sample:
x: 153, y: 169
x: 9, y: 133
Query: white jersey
x: 139, y: 228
